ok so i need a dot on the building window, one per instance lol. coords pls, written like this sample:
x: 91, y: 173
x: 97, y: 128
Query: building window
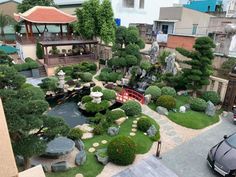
x: 209, y: 8
x: 165, y: 29
x: 128, y: 3
x: 141, y: 4
x: 194, y: 32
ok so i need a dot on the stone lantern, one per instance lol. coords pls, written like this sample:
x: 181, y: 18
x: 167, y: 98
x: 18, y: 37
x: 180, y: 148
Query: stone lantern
x: 61, y: 77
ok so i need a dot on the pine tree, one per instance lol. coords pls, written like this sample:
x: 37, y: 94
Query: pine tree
x: 197, y: 75
x: 39, y: 51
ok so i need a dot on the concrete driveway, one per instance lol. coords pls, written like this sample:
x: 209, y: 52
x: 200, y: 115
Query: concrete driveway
x: 189, y: 159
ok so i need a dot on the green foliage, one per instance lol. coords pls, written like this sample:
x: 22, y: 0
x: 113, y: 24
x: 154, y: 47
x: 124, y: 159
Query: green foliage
x: 28, y: 4
x: 49, y: 84
x: 94, y: 107
x: 167, y: 102
x: 197, y: 75
x: 121, y: 150
x: 144, y: 124
x: 39, y: 51
x: 86, y: 77
x: 198, y: 104
x: 75, y: 134
x: 108, y: 94
x: 154, y: 91
x: 86, y: 99
x: 54, y: 50
x: 212, y: 96
x: 131, y: 60
x: 168, y: 91
x: 114, y: 115
x: 146, y: 65
x: 162, y: 57
x: 28, y: 65
x: 131, y: 108
x: 31, y: 93
x: 97, y: 89
x: 108, y: 76
x: 5, y: 59
x: 5, y: 20
x: 98, y: 129
x: 228, y: 66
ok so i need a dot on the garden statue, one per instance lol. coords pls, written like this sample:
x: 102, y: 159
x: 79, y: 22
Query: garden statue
x: 61, y: 77
x: 170, y: 64
x: 144, y: 72
x: 230, y: 40
x: 154, y: 52
x: 97, y: 97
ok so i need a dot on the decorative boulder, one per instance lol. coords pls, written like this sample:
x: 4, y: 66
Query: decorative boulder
x: 210, y: 109
x: 60, y: 166
x: 79, y: 145
x: 182, y: 109
x: 152, y: 131
x: 85, y: 128
x: 87, y: 136
x: 147, y: 98
x: 45, y: 168
x: 120, y: 120
x: 113, y: 131
x: 162, y: 110
x: 187, y: 106
x: 19, y: 160
x: 102, y: 156
x: 80, y: 158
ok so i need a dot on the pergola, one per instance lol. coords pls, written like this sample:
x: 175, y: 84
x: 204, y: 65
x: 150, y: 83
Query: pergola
x: 42, y: 15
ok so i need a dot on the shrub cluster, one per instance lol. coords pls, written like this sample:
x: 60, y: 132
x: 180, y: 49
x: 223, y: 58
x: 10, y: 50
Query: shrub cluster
x: 154, y: 91
x: 212, y: 96
x: 144, y: 124
x: 86, y: 77
x: 109, y: 94
x: 98, y: 129
x: 28, y: 65
x: 86, y: 99
x: 108, y: 75
x: 114, y: 115
x: 97, y: 89
x: 121, y: 150
x: 168, y: 91
x: 131, y: 108
x: 198, y: 104
x: 75, y: 134
x: 94, y: 107
x: 167, y: 102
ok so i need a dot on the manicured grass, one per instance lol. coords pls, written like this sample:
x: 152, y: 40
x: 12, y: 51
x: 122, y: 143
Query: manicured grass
x: 92, y: 168
x: 190, y: 119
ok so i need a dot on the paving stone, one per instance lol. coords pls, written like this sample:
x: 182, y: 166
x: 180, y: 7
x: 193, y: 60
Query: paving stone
x: 134, y: 125
x: 171, y: 133
x: 177, y: 140
x: 162, y: 121
x: 132, y: 134
x: 95, y: 144
x: 104, y: 141
x: 133, y: 129
x: 167, y: 127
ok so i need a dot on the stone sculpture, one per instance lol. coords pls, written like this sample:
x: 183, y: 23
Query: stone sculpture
x: 211, y: 109
x: 154, y: 52
x: 170, y: 64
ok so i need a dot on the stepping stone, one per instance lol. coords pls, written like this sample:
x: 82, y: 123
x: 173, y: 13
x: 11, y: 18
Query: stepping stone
x: 134, y: 125
x: 145, y: 133
x: 135, y: 122
x: 132, y: 134
x: 95, y: 144
x: 92, y: 150
x: 134, y: 129
x: 79, y: 175
x: 138, y: 118
x: 104, y: 141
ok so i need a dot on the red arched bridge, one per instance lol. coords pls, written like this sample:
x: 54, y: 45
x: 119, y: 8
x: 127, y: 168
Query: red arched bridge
x: 129, y: 94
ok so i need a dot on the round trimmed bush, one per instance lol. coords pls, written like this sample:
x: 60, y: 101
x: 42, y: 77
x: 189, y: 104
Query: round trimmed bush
x: 94, y: 107
x: 75, y: 134
x: 212, y: 96
x: 109, y: 94
x: 154, y: 91
x: 97, y: 89
x: 86, y: 99
x: 114, y: 115
x: 166, y: 101
x: 131, y: 108
x: 198, y: 104
x: 121, y: 150
x: 86, y: 77
x: 168, y: 91
x: 144, y: 124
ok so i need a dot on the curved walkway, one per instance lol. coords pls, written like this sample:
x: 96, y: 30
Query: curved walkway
x: 97, y: 82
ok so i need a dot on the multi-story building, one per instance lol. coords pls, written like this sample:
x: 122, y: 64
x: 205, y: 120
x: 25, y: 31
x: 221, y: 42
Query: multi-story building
x: 231, y: 8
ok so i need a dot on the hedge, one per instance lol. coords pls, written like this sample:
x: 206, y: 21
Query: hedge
x: 212, y: 96
x: 131, y: 108
x: 108, y: 94
x: 166, y: 101
x: 154, y: 91
x: 198, y: 104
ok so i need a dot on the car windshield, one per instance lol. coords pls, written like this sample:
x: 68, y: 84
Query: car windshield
x: 232, y: 140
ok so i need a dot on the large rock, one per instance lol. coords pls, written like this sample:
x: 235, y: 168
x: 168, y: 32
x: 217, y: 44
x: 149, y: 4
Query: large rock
x: 19, y: 160
x: 79, y: 144
x: 162, y: 110
x: 113, y: 131
x: 182, y: 109
x: 85, y: 128
x: 80, y: 158
x: 102, y: 156
x: 210, y: 109
x: 121, y: 120
x: 147, y: 98
x: 187, y: 106
x: 60, y: 166
x: 152, y: 131
x: 87, y: 136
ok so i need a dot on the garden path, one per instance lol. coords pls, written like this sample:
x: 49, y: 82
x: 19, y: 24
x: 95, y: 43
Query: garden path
x: 97, y: 82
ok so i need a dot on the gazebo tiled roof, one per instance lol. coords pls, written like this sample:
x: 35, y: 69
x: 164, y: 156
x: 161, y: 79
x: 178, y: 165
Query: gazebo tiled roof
x: 45, y: 15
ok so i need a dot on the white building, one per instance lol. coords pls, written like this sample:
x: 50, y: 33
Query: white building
x: 231, y: 8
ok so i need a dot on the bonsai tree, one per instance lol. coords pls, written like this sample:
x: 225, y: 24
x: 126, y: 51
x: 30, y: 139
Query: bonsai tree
x: 5, y: 59
x: 197, y: 75
x: 28, y: 4
x: 4, y: 21
x: 39, y: 51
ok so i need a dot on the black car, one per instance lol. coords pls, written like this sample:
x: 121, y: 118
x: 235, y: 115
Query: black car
x: 222, y: 157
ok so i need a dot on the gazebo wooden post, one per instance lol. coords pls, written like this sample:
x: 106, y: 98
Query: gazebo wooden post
x: 31, y: 32
x: 46, y: 57
x: 61, y: 30
x: 96, y: 51
x: 27, y: 29
x: 68, y: 30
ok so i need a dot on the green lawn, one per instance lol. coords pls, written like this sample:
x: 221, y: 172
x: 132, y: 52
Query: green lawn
x: 92, y: 168
x: 190, y: 119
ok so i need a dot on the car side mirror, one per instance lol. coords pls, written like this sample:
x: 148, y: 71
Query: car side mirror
x: 225, y: 136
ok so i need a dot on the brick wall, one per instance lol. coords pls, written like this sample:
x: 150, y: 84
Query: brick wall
x: 186, y: 42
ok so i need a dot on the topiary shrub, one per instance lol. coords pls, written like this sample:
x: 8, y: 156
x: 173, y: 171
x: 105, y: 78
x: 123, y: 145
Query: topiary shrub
x: 121, y: 150
x: 86, y: 77
x: 39, y: 51
x: 94, y: 107
x: 198, y: 104
x: 86, y: 99
x: 75, y: 134
x: 166, y: 101
x: 114, y: 115
x: 98, y: 129
x: 96, y: 89
x: 168, y: 91
x: 154, y: 91
x: 131, y: 108
x: 109, y: 94
x: 144, y: 124
x: 212, y: 96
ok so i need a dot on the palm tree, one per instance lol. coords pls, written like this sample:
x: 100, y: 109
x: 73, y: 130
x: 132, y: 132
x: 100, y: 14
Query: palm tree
x: 4, y: 21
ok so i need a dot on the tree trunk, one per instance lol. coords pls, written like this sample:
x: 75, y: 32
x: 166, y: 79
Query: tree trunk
x: 26, y: 163
x: 194, y: 94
